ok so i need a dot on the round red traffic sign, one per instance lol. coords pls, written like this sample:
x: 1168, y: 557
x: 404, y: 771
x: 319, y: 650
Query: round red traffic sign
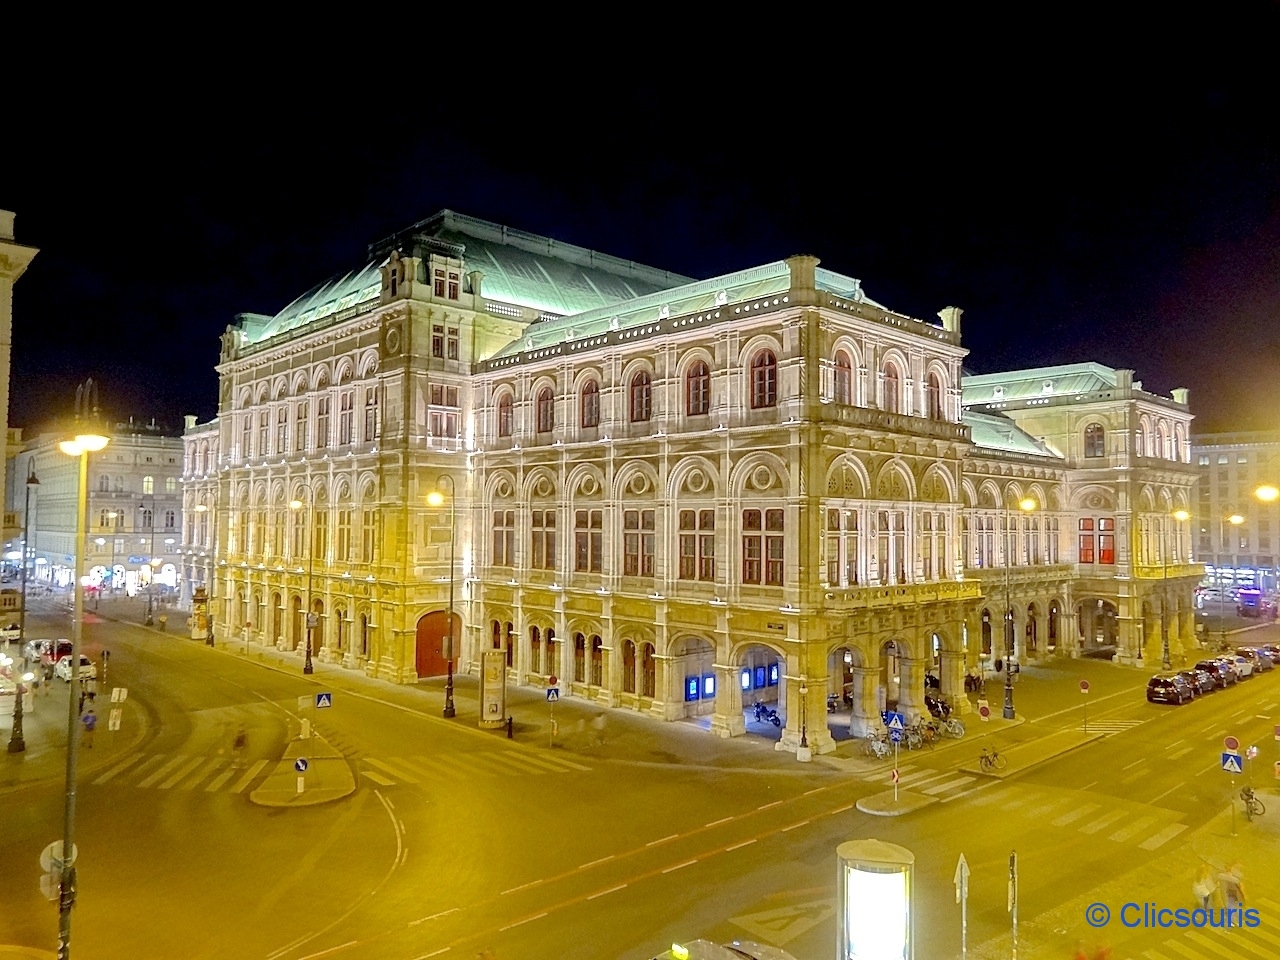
x: 1231, y: 743
x: 1084, y: 686
x: 984, y: 710
x: 552, y: 681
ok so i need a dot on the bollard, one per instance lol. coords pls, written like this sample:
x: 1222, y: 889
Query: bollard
x: 509, y: 721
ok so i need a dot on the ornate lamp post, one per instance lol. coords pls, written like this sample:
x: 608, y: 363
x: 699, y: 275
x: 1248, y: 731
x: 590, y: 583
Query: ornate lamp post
x: 435, y: 498
x: 16, y: 742
x: 1026, y: 505
x: 1165, y: 660
x: 85, y: 443
x: 298, y: 505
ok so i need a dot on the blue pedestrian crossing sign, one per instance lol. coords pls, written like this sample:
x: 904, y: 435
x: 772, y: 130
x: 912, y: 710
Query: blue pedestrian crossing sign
x: 895, y: 721
x: 1231, y: 763
x: 553, y: 694
x: 324, y: 700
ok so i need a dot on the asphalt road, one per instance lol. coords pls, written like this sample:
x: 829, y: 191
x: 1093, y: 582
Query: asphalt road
x: 458, y: 841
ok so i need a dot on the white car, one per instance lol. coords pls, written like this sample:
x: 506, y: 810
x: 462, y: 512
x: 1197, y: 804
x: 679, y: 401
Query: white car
x: 1244, y: 667
x: 88, y: 669
x: 11, y: 633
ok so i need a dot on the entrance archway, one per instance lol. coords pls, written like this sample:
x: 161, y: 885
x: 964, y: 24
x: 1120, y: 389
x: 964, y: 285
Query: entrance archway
x: 693, y: 675
x: 759, y: 680
x: 295, y: 618
x: 1031, y: 633
x: 277, y: 618
x: 1054, y: 613
x: 1098, y: 623
x: 986, y: 633
x: 429, y: 653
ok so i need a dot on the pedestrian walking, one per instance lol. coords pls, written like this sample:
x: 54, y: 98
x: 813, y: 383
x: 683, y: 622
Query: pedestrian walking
x: 1204, y: 886
x: 239, y: 743
x: 1232, y: 883
x: 90, y: 721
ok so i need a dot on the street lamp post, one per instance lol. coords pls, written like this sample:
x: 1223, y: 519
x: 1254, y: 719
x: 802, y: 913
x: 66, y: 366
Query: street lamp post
x: 1235, y: 520
x: 85, y: 442
x: 111, y: 579
x: 1165, y: 660
x: 311, y: 561
x: 32, y: 481
x: 1026, y: 505
x: 151, y: 556
x: 435, y: 498
x: 16, y: 742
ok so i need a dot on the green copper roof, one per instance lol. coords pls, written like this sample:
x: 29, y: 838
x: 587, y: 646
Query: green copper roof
x: 1062, y: 381
x: 995, y: 432
x: 519, y: 268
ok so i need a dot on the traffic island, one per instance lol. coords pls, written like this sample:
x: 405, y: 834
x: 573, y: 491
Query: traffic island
x: 1024, y: 756
x: 309, y: 773
x: 887, y: 805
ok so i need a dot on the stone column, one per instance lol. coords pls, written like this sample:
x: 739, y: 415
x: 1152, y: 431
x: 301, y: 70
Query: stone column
x: 911, y: 688
x: 952, y: 678
x: 865, y: 715
x: 728, y: 721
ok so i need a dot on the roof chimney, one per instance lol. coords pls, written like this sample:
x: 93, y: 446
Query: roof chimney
x: 950, y: 317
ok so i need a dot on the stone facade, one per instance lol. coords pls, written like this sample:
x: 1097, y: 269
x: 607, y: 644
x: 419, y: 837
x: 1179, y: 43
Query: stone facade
x: 676, y: 496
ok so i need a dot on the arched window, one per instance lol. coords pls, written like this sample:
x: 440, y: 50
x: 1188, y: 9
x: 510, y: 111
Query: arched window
x: 597, y: 661
x: 148, y: 485
x: 844, y: 378
x: 933, y: 397
x: 579, y: 658
x: 504, y: 415
x: 648, y: 671
x: 697, y: 390
x: 892, y: 389
x: 1095, y: 441
x: 641, y: 397
x: 546, y: 410
x: 1140, y: 442
x: 764, y: 380
x: 629, y: 666
x: 591, y: 404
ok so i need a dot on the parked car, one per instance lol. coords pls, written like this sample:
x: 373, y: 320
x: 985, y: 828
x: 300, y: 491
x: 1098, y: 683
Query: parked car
x: 11, y: 633
x: 88, y: 669
x: 1259, y: 662
x: 1244, y: 667
x: 47, y: 651
x: 1222, y: 673
x: 1168, y: 688
x: 1200, y: 681
x: 1271, y: 651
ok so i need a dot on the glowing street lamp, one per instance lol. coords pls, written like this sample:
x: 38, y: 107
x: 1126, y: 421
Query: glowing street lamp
x: 436, y: 498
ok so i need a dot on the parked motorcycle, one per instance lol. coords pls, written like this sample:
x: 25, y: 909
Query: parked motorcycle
x: 938, y: 707
x: 767, y: 714
x: 833, y: 703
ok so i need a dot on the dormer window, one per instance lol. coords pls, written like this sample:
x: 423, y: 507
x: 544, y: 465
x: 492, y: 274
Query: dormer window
x: 997, y: 392
x: 1048, y: 387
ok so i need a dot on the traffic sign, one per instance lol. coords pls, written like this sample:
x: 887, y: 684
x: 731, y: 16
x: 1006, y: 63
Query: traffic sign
x: 984, y: 712
x: 1084, y: 686
x: 1231, y: 743
x: 51, y: 857
x: 313, y: 621
x: 895, y: 721
x: 895, y: 736
x: 895, y: 776
x: 300, y: 764
x: 553, y: 694
x: 324, y: 700
x: 1231, y: 763
x: 552, y: 681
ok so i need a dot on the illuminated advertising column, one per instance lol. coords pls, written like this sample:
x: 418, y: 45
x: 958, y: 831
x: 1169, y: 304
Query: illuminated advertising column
x: 874, y: 901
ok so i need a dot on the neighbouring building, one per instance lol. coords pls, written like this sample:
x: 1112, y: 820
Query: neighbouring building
x: 677, y: 496
x: 1236, y: 531
x: 134, y: 510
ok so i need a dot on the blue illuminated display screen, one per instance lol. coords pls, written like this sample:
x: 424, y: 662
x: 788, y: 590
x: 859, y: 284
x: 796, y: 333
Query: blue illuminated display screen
x: 691, y: 688
x: 708, y: 686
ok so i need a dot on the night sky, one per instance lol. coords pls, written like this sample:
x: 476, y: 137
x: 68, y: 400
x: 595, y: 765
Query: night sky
x: 1137, y: 225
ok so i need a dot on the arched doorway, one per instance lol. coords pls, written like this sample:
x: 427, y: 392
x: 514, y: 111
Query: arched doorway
x: 760, y: 681
x: 295, y: 618
x: 430, y: 658
x: 986, y: 633
x: 1052, y: 626
x: 1098, y: 623
x: 277, y: 619
x: 1031, y: 632
x: 889, y: 683
x: 317, y: 632
x: 693, y: 674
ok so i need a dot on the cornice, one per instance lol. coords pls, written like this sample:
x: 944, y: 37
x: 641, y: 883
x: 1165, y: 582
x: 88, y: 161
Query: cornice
x: 14, y: 258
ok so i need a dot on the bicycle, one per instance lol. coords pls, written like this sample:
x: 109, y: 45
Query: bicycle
x: 991, y: 760
x: 877, y: 746
x: 1252, y: 805
x: 951, y: 727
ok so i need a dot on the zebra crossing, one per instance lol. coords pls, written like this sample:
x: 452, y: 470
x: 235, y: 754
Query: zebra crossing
x: 214, y: 774
x: 460, y: 767
x: 944, y: 786
x: 1214, y: 943
x: 1109, y: 727
x: 182, y: 772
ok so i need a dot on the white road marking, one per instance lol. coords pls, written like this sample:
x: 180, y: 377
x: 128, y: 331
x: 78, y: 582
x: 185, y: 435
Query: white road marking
x: 163, y: 772
x: 716, y: 823
x: 654, y: 843
x: 212, y: 764
x: 388, y: 768
x: 379, y: 780
x: 680, y: 866
x: 1166, y: 793
x: 1181, y: 753
x: 766, y: 806
x: 602, y: 893
x: 943, y: 787
x: 794, y: 825
x: 116, y: 769
x: 434, y: 916
x: 1102, y: 822
x: 1133, y: 829
x: 595, y: 863
x: 521, y: 922
x: 248, y: 777
x: 1163, y: 837
x: 523, y: 886
x: 217, y: 782
x: 182, y: 772
x: 1135, y: 763
x: 1076, y: 814
x: 747, y: 843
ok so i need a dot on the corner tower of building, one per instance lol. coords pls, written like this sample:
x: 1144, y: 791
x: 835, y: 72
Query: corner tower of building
x: 14, y: 258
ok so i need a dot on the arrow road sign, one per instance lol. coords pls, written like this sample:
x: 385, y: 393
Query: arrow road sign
x: 1231, y: 762
x: 300, y: 764
x: 961, y: 879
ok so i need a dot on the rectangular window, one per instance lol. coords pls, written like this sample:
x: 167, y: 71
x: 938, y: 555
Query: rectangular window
x: 264, y: 428
x: 926, y: 544
x: 688, y: 521
x: 1106, y: 523
x: 588, y: 541
x: 343, y: 546
x: 345, y: 419
x: 543, y: 542
x: 1086, y: 548
x: 322, y: 422
x: 453, y: 286
x: 282, y: 432
x: 438, y: 285
x: 367, y: 527
x: 833, y: 548
x: 637, y: 543
x: 442, y: 424
x: 371, y: 415
x: 774, y: 547
x: 752, y: 545
x: 706, y: 545
x: 1203, y: 460
x: 300, y: 428
x: 437, y: 340
x: 1106, y: 548
x: 451, y: 344
x: 504, y: 538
